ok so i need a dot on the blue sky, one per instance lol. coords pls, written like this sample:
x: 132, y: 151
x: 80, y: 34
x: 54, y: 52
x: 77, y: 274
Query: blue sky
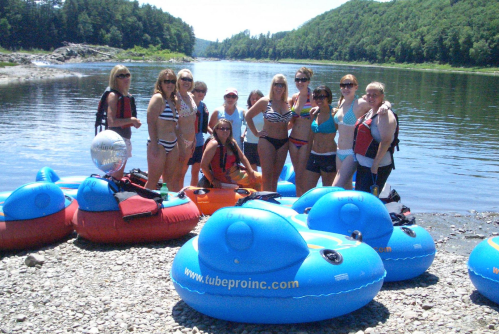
x: 220, y: 19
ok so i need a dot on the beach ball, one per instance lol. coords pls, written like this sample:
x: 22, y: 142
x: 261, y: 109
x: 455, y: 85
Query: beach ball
x: 108, y: 151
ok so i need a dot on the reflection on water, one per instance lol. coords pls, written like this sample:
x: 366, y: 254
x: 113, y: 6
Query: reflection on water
x: 448, y: 158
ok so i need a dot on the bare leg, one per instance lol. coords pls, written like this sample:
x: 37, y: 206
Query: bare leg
x: 155, y: 166
x: 195, y: 174
x: 346, y: 169
x: 327, y: 178
x: 311, y: 180
x: 170, y: 169
x: 267, y: 155
x: 281, y: 155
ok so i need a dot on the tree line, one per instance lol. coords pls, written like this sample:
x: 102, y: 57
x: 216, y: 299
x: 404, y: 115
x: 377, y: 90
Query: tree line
x: 457, y: 32
x: 45, y: 24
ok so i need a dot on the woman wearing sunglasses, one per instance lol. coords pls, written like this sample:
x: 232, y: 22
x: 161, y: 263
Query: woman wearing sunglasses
x: 187, y: 120
x: 222, y: 159
x: 162, y: 145
x: 273, y: 142
x: 322, y: 158
x: 350, y: 108
x: 375, y: 139
x: 121, y: 112
x: 230, y: 112
x: 301, y: 103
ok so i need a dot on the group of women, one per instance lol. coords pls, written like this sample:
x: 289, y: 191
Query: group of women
x: 177, y: 118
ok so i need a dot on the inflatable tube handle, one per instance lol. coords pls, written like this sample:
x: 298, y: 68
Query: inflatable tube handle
x: 357, y: 235
x: 409, y: 231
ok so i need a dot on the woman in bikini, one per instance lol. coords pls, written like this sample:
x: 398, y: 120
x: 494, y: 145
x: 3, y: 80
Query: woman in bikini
x: 322, y: 159
x: 273, y: 142
x: 350, y: 108
x: 162, y: 118
x: 187, y: 120
x: 301, y: 103
x: 222, y: 159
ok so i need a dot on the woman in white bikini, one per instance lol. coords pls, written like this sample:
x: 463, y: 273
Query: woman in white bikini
x: 350, y: 108
x: 273, y: 142
x: 187, y: 119
x: 162, y: 119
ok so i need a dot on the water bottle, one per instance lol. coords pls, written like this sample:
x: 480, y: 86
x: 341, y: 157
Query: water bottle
x: 164, y: 192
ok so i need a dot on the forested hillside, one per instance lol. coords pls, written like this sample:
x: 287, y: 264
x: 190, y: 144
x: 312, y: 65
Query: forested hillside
x: 459, y: 32
x: 45, y: 24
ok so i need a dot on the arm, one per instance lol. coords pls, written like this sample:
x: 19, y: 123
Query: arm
x: 112, y: 110
x: 362, y: 107
x: 257, y: 108
x: 213, y: 121
x: 207, y: 114
x: 245, y: 162
x: 153, y: 112
x: 208, y: 155
x: 385, y: 106
x: 386, y: 125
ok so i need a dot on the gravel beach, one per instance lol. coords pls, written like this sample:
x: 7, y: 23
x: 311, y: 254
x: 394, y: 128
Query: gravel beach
x: 82, y: 287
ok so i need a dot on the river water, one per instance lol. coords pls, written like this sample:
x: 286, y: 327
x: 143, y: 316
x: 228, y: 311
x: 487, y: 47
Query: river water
x: 449, y: 124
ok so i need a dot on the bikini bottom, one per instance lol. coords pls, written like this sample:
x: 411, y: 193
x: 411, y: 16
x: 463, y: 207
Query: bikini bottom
x: 167, y: 145
x: 277, y: 143
x: 298, y: 142
x: 343, y: 154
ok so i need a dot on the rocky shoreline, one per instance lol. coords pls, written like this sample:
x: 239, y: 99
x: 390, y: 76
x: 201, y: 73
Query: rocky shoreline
x: 82, y: 287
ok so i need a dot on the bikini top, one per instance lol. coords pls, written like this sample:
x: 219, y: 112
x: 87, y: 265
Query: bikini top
x: 349, y: 118
x: 185, y: 109
x: 305, y: 110
x: 275, y: 117
x: 325, y: 127
x: 167, y: 113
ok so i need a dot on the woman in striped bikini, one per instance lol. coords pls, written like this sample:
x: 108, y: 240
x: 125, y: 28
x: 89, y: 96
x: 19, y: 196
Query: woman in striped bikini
x: 301, y: 103
x: 350, y: 108
x: 162, y: 118
x: 273, y: 142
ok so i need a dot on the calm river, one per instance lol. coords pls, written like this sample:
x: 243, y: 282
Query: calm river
x: 449, y: 125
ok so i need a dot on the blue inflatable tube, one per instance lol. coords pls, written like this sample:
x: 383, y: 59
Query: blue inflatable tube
x: 406, y: 251
x: 68, y: 184
x: 252, y: 265
x: 483, y: 268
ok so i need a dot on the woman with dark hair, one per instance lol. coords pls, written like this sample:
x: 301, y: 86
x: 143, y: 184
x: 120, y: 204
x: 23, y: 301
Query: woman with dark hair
x: 273, y: 142
x: 163, y: 154
x: 250, y: 140
x: 120, y: 113
x: 301, y: 104
x: 222, y: 158
x: 375, y: 137
x: 322, y: 158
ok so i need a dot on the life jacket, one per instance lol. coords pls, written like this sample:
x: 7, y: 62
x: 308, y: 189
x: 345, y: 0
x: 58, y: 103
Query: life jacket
x: 222, y: 162
x: 364, y: 143
x: 126, y: 109
x: 202, y: 126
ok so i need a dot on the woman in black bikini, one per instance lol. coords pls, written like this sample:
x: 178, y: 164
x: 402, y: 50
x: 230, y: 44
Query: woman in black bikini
x: 273, y: 142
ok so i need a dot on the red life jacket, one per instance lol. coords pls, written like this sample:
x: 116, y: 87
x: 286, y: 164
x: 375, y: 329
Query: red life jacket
x: 222, y: 162
x: 126, y: 109
x: 364, y: 143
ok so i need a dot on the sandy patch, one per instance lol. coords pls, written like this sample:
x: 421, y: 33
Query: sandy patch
x: 22, y: 73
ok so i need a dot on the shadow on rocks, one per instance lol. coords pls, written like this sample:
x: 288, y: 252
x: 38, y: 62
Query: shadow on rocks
x: 423, y: 280
x: 368, y: 316
x: 479, y: 299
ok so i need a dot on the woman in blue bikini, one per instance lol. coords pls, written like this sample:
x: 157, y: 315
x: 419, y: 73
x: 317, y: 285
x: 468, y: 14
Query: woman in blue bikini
x: 322, y: 159
x: 301, y: 103
x: 350, y: 108
x: 273, y: 142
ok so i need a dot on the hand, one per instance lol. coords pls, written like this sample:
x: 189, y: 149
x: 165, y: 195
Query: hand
x: 251, y: 176
x: 262, y: 133
x: 216, y: 184
x: 374, y: 168
x: 383, y: 109
x: 136, y: 122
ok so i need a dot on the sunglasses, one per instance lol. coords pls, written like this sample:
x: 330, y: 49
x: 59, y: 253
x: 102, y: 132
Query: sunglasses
x: 123, y: 75
x: 301, y: 79
x: 166, y: 82
x: 231, y: 96
x: 186, y: 79
x: 320, y: 97
x: 199, y: 91
x: 347, y: 85
x: 279, y: 84
x: 223, y: 129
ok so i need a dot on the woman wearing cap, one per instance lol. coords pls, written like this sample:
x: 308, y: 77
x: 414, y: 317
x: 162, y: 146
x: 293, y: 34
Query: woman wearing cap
x: 230, y: 112
x: 222, y: 158
x: 273, y: 142
x: 301, y: 103
x: 119, y: 83
x: 349, y: 109
x: 374, y: 135
x: 186, y: 122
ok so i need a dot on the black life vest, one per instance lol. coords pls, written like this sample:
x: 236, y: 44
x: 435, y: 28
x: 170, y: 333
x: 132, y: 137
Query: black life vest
x: 202, y: 126
x: 364, y: 143
x: 126, y: 109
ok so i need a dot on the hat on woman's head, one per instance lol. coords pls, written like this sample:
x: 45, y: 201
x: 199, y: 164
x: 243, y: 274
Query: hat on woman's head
x: 231, y: 91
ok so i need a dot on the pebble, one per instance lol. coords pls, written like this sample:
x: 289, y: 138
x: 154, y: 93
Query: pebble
x: 82, y: 287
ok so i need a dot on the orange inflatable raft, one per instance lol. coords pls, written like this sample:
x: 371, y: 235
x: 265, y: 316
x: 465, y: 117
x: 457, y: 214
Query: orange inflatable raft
x: 209, y: 200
